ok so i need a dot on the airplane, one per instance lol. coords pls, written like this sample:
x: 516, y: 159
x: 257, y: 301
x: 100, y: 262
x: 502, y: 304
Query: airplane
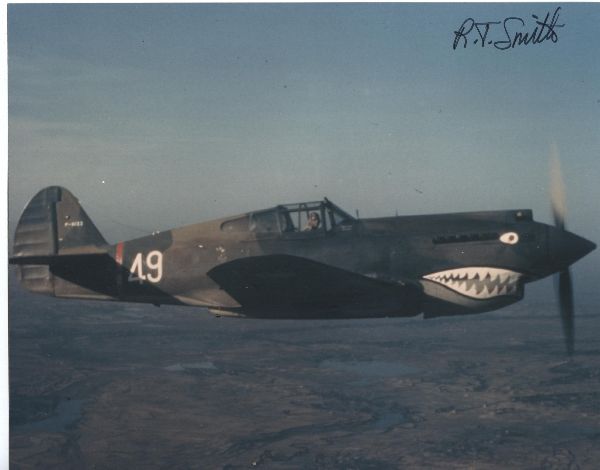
x: 308, y: 260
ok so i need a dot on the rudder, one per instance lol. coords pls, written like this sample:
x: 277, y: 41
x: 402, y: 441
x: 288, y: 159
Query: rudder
x: 53, y: 223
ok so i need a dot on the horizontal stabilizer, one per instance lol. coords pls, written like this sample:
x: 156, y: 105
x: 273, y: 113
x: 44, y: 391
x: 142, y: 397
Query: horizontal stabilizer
x: 54, y: 259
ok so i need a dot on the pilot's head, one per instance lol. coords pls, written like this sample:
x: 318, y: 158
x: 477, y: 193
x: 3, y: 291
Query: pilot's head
x: 314, y: 220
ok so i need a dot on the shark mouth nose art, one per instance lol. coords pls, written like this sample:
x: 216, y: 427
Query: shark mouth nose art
x: 478, y: 282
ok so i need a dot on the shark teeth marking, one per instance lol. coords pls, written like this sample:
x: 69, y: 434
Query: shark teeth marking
x: 478, y: 282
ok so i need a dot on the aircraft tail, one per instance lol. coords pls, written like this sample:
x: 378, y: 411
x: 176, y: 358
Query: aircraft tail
x: 53, y: 224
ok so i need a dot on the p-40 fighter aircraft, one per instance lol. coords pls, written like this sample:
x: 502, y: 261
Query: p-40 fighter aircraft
x: 307, y: 260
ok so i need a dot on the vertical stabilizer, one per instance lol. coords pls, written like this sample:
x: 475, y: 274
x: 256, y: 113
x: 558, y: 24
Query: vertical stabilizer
x: 53, y: 223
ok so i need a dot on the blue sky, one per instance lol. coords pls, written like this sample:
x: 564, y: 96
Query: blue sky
x: 161, y: 115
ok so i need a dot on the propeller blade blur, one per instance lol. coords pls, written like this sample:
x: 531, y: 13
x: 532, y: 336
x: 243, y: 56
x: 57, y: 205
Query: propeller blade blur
x: 557, y: 189
x: 565, y: 296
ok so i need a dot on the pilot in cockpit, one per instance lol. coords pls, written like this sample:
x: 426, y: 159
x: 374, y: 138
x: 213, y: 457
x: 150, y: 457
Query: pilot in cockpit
x: 313, y: 223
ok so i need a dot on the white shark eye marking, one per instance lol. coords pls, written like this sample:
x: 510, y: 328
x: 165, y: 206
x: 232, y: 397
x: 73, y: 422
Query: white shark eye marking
x: 510, y: 238
x: 478, y: 282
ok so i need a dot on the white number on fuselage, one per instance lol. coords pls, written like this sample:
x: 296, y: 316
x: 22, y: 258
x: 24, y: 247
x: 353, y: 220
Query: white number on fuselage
x: 153, y: 264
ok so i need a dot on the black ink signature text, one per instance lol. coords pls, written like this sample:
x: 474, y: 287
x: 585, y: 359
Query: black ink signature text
x: 515, y: 32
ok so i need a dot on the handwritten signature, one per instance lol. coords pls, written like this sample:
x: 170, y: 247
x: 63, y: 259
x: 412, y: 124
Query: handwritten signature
x: 545, y: 30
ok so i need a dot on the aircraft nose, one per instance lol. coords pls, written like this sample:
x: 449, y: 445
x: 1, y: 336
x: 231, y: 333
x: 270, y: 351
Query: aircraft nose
x: 566, y: 247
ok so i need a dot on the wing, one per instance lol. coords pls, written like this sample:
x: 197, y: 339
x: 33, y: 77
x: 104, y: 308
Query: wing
x: 283, y: 286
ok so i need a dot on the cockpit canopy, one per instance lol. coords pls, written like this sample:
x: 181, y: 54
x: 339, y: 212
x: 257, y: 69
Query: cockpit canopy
x: 318, y: 216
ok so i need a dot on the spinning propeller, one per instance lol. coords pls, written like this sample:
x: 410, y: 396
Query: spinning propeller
x: 564, y: 286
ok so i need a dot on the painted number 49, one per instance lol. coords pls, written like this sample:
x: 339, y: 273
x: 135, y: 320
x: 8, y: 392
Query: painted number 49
x: 151, y: 270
